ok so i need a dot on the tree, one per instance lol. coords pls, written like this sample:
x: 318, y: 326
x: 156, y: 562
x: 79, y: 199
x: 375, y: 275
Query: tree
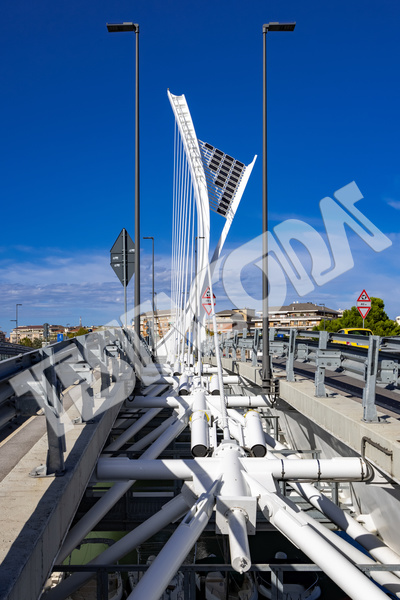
x: 377, y: 320
x: 37, y: 343
x: 81, y: 331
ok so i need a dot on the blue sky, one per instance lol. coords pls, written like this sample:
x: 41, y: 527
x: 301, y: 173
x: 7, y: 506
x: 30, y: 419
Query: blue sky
x: 67, y: 137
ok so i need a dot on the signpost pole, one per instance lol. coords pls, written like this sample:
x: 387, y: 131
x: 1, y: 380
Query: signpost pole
x: 125, y: 260
x: 122, y: 260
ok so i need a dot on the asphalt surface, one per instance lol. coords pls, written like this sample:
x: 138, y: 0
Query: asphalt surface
x: 19, y: 436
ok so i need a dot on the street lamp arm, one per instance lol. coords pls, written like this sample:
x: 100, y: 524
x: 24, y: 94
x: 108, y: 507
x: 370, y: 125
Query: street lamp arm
x: 274, y: 26
x: 118, y: 27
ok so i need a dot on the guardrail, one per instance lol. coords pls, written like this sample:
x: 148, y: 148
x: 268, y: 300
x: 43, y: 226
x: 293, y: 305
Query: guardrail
x: 100, y: 367
x: 376, y: 364
x: 7, y: 350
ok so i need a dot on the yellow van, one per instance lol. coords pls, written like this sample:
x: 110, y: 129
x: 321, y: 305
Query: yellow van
x: 355, y: 331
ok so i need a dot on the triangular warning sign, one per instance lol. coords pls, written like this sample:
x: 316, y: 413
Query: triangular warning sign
x: 363, y: 310
x: 364, y: 297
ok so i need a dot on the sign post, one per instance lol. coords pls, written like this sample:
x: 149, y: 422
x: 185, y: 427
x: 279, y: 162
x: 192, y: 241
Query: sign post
x: 122, y: 260
x: 363, y: 305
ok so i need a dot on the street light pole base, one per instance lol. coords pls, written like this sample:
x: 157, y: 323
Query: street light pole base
x: 270, y: 386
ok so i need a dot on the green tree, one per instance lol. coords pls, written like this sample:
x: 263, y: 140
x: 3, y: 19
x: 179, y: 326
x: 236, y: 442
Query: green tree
x: 377, y: 320
x: 26, y: 342
x: 81, y: 331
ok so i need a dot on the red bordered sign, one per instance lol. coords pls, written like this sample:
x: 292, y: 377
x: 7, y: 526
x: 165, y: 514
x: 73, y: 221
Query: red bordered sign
x: 363, y: 304
x: 206, y: 301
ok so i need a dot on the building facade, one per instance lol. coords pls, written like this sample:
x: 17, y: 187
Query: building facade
x: 34, y: 332
x: 301, y: 315
x: 163, y: 320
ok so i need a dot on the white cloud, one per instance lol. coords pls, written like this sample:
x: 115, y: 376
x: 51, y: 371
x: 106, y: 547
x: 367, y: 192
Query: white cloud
x: 59, y: 287
x: 394, y: 204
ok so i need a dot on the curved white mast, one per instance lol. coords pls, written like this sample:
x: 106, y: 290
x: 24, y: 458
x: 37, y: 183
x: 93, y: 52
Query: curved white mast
x: 193, y: 155
x: 199, y: 158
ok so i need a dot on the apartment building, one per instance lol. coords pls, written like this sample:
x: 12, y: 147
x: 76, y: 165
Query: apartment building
x: 301, y: 315
x: 34, y: 332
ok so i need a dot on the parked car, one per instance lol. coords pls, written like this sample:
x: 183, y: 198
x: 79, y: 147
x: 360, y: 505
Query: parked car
x: 358, y: 331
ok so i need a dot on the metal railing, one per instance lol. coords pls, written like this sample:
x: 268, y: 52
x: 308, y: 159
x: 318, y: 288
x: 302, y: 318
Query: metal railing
x: 7, y: 350
x: 190, y: 570
x: 372, y: 360
x: 100, y: 367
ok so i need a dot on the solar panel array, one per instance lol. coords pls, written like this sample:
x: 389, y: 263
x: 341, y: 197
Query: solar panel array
x: 223, y: 174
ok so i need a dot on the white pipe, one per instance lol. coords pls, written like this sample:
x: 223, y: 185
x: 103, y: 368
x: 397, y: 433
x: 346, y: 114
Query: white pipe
x: 223, y: 408
x: 236, y: 425
x: 184, y: 384
x: 230, y: 460
x: 248, y: 401
x: 199, y: 424
x: 110, y: 498
x: 319, y: 543
x: 132, y: 411
x: 200, y: 439
x: 155, y: 580
x: 355, y: 530
x: 238, y: 540
x: 352, y: 581
x: 153, y: 435
x: 133, y: 429
x: 154, y: 390
x: 230, y: 379
x: 213, y: 385
x: 385, y: 578
x: 254, y: 434
x: 233, y: 483
x: 198, y: 382
x: 157, y: 401
x: 209, y: 369
x: 235, y: 415
x: 116, y: 469
x: 235, y: 486
x: 339, y: 469
x: 344, y: 521
x: 170, y: 512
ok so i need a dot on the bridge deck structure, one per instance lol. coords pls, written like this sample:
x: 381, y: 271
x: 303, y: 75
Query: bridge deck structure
x: 235, y: 456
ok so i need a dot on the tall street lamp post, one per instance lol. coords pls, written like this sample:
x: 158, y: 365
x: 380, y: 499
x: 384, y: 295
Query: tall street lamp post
x: 16, y: 321
x: 152, y: 279
x: 16, y: 334
x: 117, y: 28
x: 16, y: 317
x: 266, y: 373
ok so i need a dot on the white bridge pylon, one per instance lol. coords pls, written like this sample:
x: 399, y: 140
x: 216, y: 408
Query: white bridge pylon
x: 205, y: 178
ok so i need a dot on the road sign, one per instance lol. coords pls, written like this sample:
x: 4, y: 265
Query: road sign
x: 123, y: 253
x: 363, y: 304
x: 206, y: 301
